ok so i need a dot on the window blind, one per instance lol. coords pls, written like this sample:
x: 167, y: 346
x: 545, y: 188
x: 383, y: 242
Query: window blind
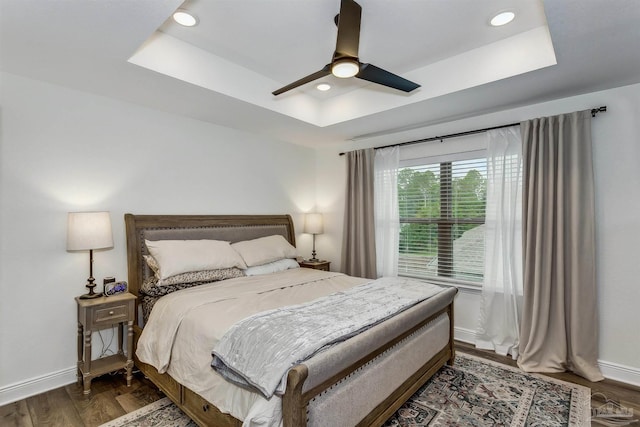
x: 442, y: 210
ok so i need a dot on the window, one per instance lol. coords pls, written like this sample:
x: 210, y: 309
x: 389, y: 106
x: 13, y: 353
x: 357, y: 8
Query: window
x: 442, y: 211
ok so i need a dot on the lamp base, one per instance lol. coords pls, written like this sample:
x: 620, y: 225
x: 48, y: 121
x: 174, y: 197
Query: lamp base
x: 91, y: 293
x: 313, y: 253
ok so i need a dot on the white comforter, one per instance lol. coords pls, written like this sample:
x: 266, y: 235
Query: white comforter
x: 184, y: 326
x: 258, y: 351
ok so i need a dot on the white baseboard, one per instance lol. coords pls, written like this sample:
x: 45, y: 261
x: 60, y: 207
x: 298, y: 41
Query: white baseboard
x: 622, y: 373
x: 33, y: 386
x: 464, y: 335
x: 610, y: 370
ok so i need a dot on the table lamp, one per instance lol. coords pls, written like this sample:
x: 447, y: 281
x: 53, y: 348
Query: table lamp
x: 89, y: 231
x: 313, y: 225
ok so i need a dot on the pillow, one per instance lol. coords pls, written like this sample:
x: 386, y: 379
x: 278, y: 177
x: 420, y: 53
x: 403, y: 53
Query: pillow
x: 264, y: 250
x: 153, y: 264
x: 272, y: 267
x: 150, y: 287
x: 205, y: 276
x: 157, y: 288
x: 182, y: 256
x: 147, y: 305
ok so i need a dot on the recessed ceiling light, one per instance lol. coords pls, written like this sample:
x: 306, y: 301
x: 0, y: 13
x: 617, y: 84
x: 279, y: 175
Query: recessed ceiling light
x: 502, y: 18
x: 184, y: 17
x: 323, y: 87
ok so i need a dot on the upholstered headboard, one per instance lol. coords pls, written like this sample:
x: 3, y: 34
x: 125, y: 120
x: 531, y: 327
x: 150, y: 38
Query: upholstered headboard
x: 231, y: 228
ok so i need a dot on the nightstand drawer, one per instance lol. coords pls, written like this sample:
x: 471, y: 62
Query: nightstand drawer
x: 113, y: 314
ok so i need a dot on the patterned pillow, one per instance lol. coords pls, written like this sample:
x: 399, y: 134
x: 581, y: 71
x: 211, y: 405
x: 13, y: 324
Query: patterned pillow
x: 147, y: 305
x: 152, y: 263
x: 150, y: 287
x: 204, y: 276
x: 155, y: 288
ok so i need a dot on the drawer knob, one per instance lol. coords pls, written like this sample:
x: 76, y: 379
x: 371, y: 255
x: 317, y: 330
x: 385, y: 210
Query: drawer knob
x: 111, y: 313
x: 205, y: 407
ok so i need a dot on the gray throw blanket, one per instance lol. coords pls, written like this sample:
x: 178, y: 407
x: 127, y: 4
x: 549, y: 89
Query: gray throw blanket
x: 257, y: 352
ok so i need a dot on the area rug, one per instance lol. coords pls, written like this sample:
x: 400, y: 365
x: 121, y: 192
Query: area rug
x: 474, y: 392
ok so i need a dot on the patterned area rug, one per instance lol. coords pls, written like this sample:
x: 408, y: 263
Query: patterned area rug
x: 478, y: 392
x: 475, y: 392
x: 161, y: 413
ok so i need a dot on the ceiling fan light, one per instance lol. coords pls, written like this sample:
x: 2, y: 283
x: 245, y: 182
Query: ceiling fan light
x: 345, y: 68
x: 185, y: 18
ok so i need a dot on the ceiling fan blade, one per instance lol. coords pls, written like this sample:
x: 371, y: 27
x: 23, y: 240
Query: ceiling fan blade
x: 348, y: 30
x: 311, y: 77
x: 382, y: 77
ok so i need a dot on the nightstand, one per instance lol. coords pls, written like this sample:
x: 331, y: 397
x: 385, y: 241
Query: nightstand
x: 100, y: 313
x: 316, y: 265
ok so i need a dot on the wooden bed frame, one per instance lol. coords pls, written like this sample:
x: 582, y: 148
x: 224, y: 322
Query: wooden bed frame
x: 298, y: 394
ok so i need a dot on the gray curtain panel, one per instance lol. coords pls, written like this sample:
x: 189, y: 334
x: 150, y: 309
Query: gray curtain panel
x: 358, y: 247
x: 559, y: 322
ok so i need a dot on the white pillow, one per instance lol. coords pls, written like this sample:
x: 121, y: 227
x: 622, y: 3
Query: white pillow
x: 272, y: 267
x: 182, y: 256
x: 264, y: 250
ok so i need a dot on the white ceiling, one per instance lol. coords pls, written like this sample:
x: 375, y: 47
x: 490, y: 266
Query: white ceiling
x: 223, y: 70
x: 213, y: 55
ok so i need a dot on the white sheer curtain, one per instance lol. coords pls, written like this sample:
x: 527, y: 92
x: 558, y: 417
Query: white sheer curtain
x: 387, y: 220
x: 500, y: 310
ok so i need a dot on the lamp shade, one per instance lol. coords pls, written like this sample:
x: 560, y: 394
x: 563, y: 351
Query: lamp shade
x: 313, y: 223
x: 89, y: 230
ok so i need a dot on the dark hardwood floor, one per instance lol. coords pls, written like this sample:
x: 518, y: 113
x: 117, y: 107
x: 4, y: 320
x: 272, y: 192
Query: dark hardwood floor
x: 110, y: 398
x: 67, y: 406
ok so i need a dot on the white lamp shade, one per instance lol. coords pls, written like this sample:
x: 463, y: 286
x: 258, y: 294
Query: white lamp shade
x: 89, y: 230
x: 313, y: 223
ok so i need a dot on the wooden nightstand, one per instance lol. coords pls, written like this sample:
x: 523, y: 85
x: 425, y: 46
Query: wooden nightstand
x: 317, y: 265
x: 100, y: 313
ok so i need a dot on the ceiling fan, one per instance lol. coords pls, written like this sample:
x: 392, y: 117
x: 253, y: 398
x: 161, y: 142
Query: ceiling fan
x: 345, y: 62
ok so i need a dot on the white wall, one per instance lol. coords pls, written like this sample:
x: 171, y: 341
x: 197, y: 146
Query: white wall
x: 63, y: 150
x: 616, y: 147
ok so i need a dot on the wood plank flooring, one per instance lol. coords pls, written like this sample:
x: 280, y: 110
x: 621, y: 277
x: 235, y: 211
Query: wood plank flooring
x: 110, y: 398
x: 67, y: 406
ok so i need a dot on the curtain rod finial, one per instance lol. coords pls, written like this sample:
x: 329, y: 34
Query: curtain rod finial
x: 595, y: 111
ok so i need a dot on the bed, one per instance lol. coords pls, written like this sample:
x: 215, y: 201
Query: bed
x: 361, y: 381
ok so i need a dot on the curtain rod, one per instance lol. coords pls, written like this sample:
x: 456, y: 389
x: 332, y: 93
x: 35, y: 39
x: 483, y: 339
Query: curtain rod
x: 594, y: 111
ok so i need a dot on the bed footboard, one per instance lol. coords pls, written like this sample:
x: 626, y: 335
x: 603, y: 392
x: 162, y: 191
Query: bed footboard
x: 390, y: 361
